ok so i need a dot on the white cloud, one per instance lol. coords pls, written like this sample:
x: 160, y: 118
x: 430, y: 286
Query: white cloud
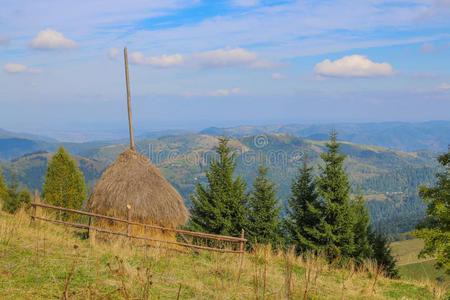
x: 166, y: 60
x: 4, y: 39
x: 19, y: 68
x: 245, y: 3
x: 15, y: 68
x: 224, y: 58
x: 221, y: 92
x: 444, y: 86
x: 428, y: 48
x: 226, y: 92
x: 353, y: 66
x: 220, y: 58
x: 50, y: 39
x: 163, y: 61
x: 113, y: 53
x: 278, y: 76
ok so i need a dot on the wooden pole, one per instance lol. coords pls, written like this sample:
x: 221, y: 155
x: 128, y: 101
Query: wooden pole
x: 241, y: 250
x: 34, y: 207
x: 128, y: 223
x: 89, y: 229
x: 188, y: 242
x: 127, y: 77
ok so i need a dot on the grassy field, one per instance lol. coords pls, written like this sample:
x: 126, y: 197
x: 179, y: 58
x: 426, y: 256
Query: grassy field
x: 411, y: 267
x: 424, y: 271
x: 406, y: 252
x: 45, y: 261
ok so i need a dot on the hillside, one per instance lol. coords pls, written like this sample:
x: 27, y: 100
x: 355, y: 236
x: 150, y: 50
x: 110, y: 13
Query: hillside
x: 388, y: 178
x: 30, y: 169
x: 411, y: 267
x: 48, y: 261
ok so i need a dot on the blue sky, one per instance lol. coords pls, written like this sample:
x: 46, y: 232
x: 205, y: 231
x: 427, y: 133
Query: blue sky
x: 221, y: 63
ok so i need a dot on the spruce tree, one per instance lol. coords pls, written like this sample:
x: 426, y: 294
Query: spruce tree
x: 334, y: 188
x: 382, y: 253
x: 361, y: 229
x: 264, y: 210
x: 13, y: 199
x: 64, y: 183
x: 219, y: 206
x: 435, y: 230
x: 303, y: 223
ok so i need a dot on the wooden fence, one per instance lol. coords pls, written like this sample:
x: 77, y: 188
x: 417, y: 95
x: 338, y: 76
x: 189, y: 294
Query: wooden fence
x: 91, y: 216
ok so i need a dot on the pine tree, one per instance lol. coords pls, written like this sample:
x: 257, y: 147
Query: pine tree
x: 264, y: 210
x: 435, y: 230
x: 13, y: 199
x: 64, y: 183
x: 382, y: 253
x: 361, y: 229
x: 334, y: 188
x: 219, y: 206
x: 303, y: 224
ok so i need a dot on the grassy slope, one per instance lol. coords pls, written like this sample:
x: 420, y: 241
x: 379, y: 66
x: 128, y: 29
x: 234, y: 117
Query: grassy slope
x: 411, y: 267
x: 36, y: 262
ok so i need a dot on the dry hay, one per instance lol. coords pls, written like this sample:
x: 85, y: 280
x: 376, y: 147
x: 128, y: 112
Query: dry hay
x: 133, y: 180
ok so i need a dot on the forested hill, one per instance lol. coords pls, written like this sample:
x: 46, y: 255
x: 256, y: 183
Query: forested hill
x: 30, y: 169
x: 403, y: 136
x: 386, y: 177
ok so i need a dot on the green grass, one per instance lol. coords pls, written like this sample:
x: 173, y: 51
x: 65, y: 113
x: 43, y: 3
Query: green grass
x: 42, y: 262
x: 412, y: 267
x: 424, y: 271
x: 406, y: 252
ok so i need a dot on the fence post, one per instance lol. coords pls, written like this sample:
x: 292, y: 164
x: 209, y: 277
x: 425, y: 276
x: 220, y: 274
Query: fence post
x: 128, y: 221
x: 89, y: 229
x: 241, y: 249
x: 33, y: 214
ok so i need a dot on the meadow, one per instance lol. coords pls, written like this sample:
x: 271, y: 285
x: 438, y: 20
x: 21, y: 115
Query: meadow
x: 43, y: 260
x: 413, y: 267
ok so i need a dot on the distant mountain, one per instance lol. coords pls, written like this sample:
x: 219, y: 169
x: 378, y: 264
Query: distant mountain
x: 433, y: 135
x: 30, y: 169
x: 6, y: 133
x: 160, y: 133
x: 388, y: 178
x: 14, y: 146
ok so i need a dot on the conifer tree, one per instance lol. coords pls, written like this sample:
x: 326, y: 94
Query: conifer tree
x: 264, y: 210
x: 64, y: 183
x: 435, y: 230
x: 334, y: 188
x: 361, y: 229
x: 303, y: 224
x: 13, y: 199
x: 219, y: 206
x: 382, y: 253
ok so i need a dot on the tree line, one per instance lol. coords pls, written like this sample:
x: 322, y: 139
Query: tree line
x: 320, y: 215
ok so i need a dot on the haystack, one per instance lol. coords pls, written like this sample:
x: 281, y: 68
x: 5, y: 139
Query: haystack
x: 133, y: 181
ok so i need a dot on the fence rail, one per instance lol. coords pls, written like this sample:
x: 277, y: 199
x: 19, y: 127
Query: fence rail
x: 239, y: 240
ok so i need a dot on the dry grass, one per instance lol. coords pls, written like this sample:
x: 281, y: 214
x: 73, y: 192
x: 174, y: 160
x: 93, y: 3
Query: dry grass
x: 133, y: 180
x: 116, y: 269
